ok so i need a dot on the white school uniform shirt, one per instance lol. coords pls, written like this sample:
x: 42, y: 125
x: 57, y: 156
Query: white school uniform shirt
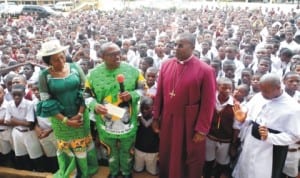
x: 285, y: 68
x: 292, y: 46
x: 157, y: 61
x: 24, y: 111
x: 239, y: 67
x: 130, y: 55
x: 296, y: 96
x: 211, y: 55
x: 220, y: 106
x: 7, y: 95
x: 43, y: 122
x: 135, y: 62
x: 152, y: 90
x: 282, y: 114
x: 292, y: 159
x: 3, y: 108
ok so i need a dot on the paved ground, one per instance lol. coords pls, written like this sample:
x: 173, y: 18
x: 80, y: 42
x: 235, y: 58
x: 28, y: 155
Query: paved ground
x: 119, y: 4
x: 102, y: 173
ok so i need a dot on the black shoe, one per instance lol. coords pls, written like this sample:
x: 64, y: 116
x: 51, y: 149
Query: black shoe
x: 127, y: 176
x: 112, y: 176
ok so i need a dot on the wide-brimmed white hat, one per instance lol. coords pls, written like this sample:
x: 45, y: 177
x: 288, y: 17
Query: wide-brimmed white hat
x: 51, y: 47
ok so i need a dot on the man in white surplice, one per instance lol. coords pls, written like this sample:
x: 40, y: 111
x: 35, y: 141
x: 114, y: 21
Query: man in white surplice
x: 272, y: 120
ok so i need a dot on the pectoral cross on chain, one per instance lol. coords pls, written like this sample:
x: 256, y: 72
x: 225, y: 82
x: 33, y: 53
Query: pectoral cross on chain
x: 172, y: 94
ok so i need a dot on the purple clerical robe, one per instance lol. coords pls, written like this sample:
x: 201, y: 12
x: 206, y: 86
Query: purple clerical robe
x: 186, y: 110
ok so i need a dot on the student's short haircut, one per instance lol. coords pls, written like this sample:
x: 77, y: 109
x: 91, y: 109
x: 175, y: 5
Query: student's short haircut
x: 218, y: 62
x: 208, y: 32
x: 287, y: 52
x: 31, y: 65
x: 206, y: 60
x: 248, y: 70
x: 152, y: 69
x: 196, y: 53
x: 257, y: 74
x: 119, y: 43
x: 289, y: 74
x: 132, y: 42
x: 234, y: 47
x: 12, y: 63
x: 35, y: 83
x: 294, y: 65
x: 248, y: 54
x: 246, y: 87
x: 265, y: 59
x: 149, y: 60
x: 146, y: 101
x: 224, y: 80
x: 229, y: 63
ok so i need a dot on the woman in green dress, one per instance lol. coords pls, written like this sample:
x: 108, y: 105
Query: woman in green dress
x: 61, y: 86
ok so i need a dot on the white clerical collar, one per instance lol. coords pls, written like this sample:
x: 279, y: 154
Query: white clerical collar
x: 282, y: 95
x: 185, y: 61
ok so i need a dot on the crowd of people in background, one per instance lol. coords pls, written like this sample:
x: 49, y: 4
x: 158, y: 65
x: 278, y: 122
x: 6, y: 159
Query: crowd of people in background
x: 242, y: 45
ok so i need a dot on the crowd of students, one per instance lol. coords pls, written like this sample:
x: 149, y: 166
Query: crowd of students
x: 241, y: 44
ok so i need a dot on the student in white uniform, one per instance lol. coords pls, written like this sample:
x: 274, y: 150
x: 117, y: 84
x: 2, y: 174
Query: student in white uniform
x: 7, y: 155
x: 291, y: 81
x: 20, y: 115
x: 272, y: 123
x: 45, y: 134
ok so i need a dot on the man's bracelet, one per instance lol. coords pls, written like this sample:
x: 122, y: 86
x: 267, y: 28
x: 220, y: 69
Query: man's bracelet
x: 65, y: 119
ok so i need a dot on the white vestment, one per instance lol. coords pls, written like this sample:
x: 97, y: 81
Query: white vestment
x: 281, y: 114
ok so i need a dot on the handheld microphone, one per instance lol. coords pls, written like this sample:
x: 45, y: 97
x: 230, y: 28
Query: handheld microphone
x: 120, y: 79
x: 125, y: 104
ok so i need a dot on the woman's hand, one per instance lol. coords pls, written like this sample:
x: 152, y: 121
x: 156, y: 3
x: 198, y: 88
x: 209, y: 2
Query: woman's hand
x: 75, y: 121
x: 76, y: 117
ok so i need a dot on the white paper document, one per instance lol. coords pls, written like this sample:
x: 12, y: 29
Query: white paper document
x: 115, y: 110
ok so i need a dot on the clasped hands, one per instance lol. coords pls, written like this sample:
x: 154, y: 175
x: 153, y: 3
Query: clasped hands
x: 42, y: 133
x: 75, y: 121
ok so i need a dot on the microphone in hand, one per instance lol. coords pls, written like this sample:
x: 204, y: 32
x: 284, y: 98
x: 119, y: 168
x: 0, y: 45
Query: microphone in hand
x: 120, y: 79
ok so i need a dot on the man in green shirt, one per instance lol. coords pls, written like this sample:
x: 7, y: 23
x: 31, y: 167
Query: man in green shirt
x: 116, y: 132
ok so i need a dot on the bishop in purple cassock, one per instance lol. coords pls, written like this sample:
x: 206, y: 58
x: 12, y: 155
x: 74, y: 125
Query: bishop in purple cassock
x: 183, y: 111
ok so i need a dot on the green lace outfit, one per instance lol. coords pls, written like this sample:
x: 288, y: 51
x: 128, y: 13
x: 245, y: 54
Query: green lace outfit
x: 116, y: 134
x: 76, y: 152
